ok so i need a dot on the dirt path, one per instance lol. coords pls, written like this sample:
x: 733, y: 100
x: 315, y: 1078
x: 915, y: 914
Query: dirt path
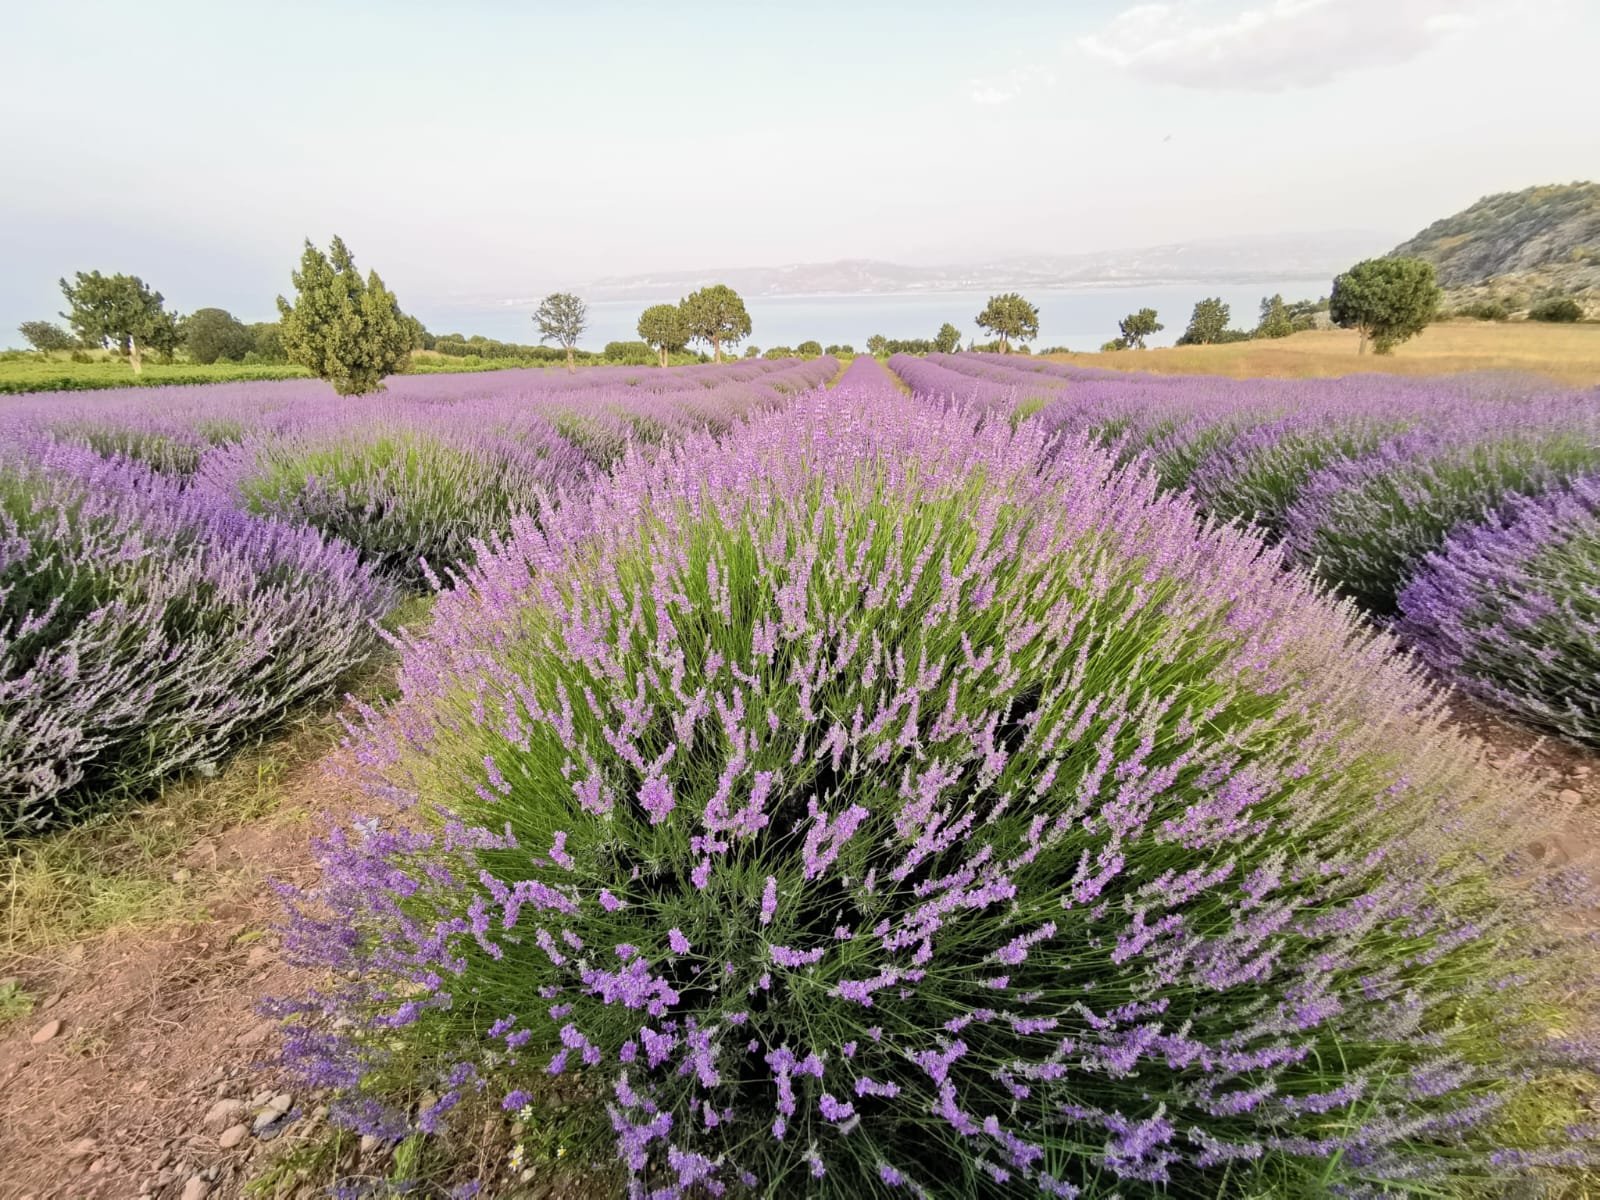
x: 149, y: 1031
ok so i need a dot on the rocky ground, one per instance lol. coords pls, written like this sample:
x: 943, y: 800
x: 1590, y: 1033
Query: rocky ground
x: 146, y: 1072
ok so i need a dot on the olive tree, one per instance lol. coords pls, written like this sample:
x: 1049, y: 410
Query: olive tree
x: 46, y: 336
x: 1385, y: 300
x: 664, y: 327
x: 715, y: 315
x: 562, y: 318
x: 1137, y: 326
x: 121, y: 312
x: 1009, y: 317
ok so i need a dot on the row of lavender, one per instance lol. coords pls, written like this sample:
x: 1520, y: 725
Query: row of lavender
x: 181, y: 567
x: 884, y: 799
x: 1467, y: 512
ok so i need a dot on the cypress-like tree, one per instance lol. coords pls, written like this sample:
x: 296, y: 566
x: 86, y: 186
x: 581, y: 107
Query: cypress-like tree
x: 347, y: 330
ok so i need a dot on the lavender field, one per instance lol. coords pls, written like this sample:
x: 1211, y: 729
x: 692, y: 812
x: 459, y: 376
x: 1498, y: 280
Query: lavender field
x: 971, y: 777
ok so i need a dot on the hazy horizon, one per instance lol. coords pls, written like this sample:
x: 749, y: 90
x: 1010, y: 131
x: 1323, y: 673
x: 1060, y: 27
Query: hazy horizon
x: 485, y: 151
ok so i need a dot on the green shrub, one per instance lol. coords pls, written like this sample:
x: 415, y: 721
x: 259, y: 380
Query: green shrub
x: 1556, y: 309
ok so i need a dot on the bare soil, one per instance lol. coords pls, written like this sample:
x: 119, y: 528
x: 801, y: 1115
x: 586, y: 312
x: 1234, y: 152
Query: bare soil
x: 157, y: 1026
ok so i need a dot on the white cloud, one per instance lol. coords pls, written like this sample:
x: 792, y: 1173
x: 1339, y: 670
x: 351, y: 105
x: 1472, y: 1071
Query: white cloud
x: 1008, y: 86
x: 1280, y: 45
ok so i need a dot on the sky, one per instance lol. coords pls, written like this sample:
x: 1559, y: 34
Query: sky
x: 487, y: 149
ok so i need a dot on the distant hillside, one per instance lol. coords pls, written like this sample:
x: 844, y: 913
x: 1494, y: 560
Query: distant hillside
x: 1541, y: 239
x: 1256, y: 258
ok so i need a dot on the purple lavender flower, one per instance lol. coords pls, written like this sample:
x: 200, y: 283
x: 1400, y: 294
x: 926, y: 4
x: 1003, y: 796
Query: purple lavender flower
x: 969, y: 691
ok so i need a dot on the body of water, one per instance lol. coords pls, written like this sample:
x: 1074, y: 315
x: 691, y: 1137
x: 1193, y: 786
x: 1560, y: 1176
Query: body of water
x: 1080, y: 318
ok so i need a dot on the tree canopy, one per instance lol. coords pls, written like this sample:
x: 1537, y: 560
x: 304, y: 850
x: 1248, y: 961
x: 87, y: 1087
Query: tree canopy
x: 210, y: 334
x: 1010, y: 318
x: 1275, y: 321
x: 715, y: 315
x: 948, y: 339
x: 1137, y: 326
x: 122, y: 312
x: 1386, y: 300
x: 1207, y: 324
x: 562, y: 318
x: 46, y: 336
x: 664, y: 327
x: 346, y: 330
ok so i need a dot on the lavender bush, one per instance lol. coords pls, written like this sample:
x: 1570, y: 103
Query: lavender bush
x: 1511, y: 610
x: 146, y: 630
x: 881, y: 800
x: 412, y: 495
x: 1363, y: 525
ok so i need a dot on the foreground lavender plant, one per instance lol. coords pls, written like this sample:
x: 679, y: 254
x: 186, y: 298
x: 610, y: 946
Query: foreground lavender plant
x: 884, y: 801
x: 146, y: 630
x: 1511, y: 610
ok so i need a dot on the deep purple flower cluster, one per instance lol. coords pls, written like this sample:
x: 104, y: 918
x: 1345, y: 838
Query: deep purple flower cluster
x: 890, y: 799
x: 1511, y: 610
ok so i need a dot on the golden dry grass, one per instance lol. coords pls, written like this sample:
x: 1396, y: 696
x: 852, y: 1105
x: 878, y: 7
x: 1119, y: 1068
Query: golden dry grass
x: 1566, y: 354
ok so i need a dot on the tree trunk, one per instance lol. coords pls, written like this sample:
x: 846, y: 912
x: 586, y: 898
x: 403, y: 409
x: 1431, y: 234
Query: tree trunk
x: 663, y: 356
x: 1005, y: 344
x: 571, y: 365
x: 716, y: 349
x: 134, y: 356
x: 1361, y: 339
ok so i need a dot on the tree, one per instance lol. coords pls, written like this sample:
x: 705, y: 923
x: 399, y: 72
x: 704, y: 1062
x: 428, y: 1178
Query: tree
x: 1113, y: 345
x: 779, y: 352
x: 664, y: 327
x: 752, y: 351
x: 1207, y: 323
x: 1559, y: 309
x: 1386, y: 300
x: 562, y: 318
x: 1009, y: 316
x: 267, y: 339
x: 1275, y: 320
x: 877, y: 345
x: 46, y: 336
x: 213, y: 333
x: 809, y: 349
x: 1137, y: 326
x: 121, y: 312
x: 843, y: 348
x: 715, y: 315
x: 948, y: 339
x: 346, y: 330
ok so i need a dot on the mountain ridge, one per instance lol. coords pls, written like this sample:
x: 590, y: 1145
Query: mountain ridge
x: 1212, y: 260
x: 1540, y: 240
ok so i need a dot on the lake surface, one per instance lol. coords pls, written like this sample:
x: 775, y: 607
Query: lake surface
x: 1080, y: 318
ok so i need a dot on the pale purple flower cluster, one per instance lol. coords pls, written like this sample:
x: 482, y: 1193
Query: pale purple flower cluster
x: 1511, y: 610
x: 179, y: 566
x: 146, y: 629
x: 892, y: 796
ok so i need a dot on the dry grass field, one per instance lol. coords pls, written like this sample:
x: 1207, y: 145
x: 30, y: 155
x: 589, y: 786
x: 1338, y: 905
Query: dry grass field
x: 1568, y: 354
